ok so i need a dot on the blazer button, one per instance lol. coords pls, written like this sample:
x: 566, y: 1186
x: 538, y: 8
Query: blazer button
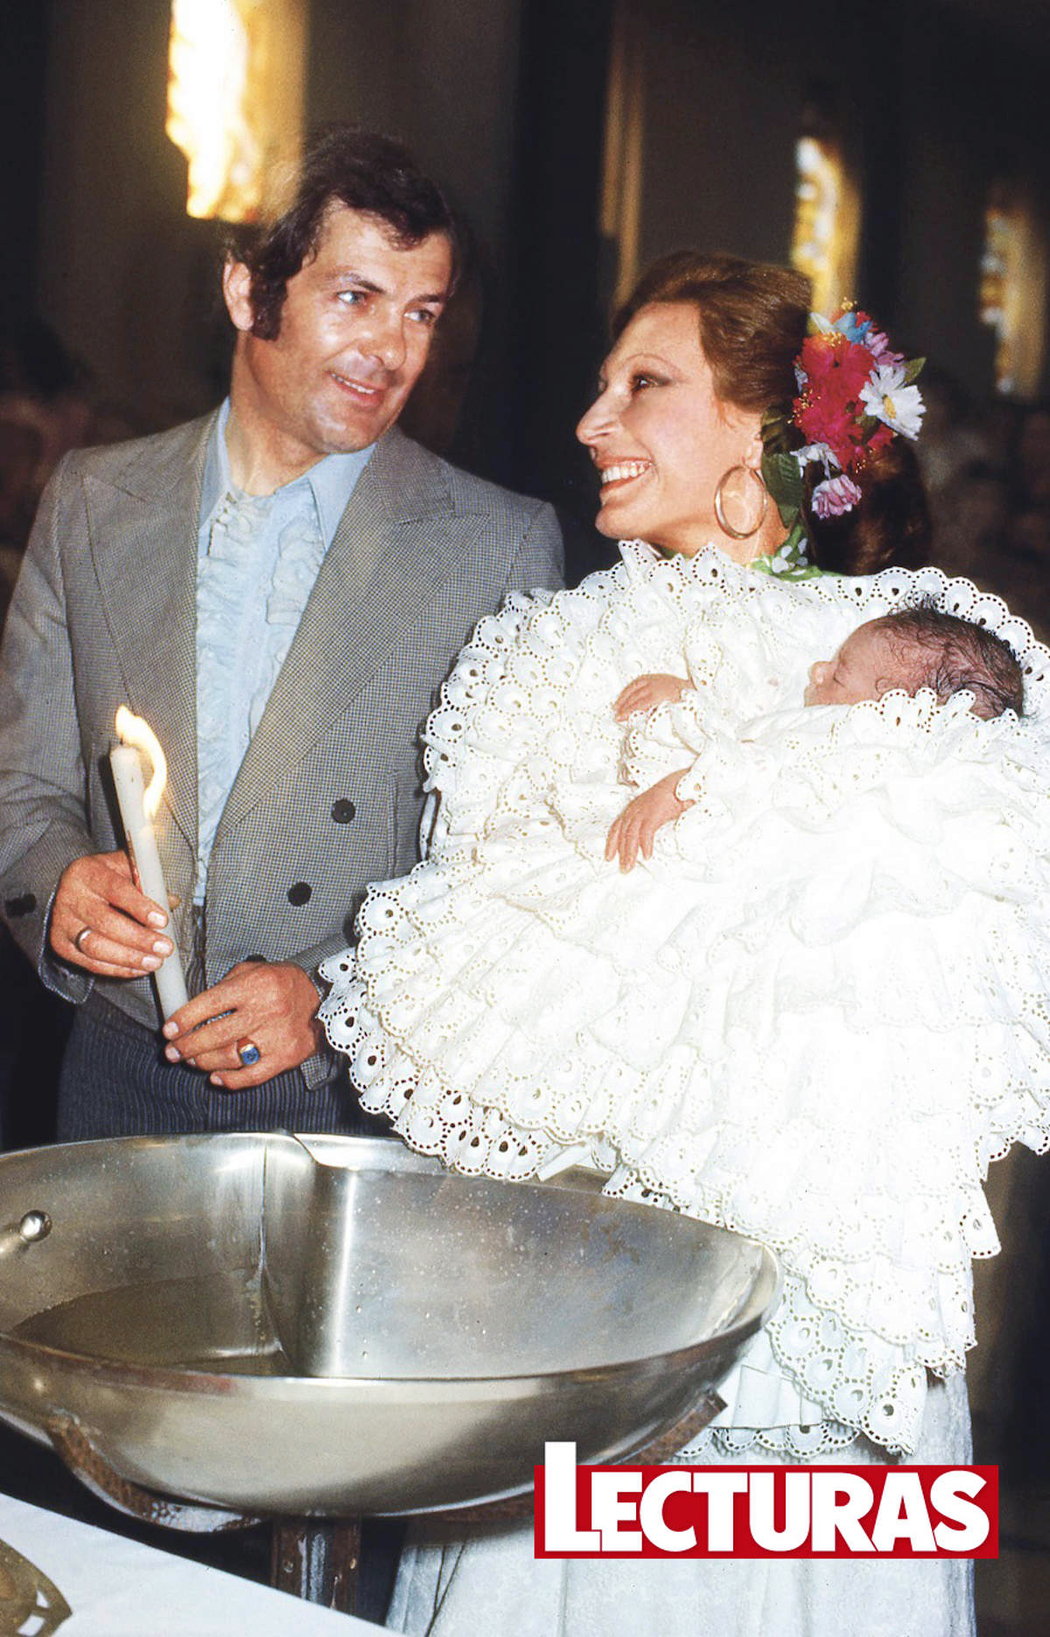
x: 24, y: 904
x: 300, y: 893
x: 343, y: 810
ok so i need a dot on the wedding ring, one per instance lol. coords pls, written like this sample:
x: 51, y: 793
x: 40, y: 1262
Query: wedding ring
x: 78, y: 941
x: 249, y: 1053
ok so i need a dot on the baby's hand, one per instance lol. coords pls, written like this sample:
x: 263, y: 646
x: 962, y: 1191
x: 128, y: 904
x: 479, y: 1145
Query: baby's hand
x: 646, y: 691
x: 634, y: 831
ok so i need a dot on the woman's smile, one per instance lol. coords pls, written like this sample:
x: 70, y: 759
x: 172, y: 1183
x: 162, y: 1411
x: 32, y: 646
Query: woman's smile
x: 658, y: 435
x: 622, y: 473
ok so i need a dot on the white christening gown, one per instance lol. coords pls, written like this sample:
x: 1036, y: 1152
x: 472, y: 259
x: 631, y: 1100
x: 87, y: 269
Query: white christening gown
x: 813, y: 1016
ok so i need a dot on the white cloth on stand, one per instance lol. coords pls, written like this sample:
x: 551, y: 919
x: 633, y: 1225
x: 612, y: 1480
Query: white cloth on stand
x: 118, y: 1588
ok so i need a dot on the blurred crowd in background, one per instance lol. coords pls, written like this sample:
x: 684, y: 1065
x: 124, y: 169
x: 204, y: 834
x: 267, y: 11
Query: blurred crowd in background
x: 987, y: 471
x: 48, y: 405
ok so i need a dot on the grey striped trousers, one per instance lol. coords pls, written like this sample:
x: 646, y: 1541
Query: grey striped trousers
x: 116, y: 1082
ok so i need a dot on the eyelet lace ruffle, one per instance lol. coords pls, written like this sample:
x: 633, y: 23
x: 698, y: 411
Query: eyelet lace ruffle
x: 813, y: 1017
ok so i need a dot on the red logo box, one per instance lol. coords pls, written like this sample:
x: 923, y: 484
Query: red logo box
x: 764, y: 1511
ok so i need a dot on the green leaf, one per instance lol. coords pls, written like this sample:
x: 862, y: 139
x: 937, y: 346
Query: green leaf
x: 912, y: 369
x: 797, y: 540
x: 776, y: 430
x: 784, y: 482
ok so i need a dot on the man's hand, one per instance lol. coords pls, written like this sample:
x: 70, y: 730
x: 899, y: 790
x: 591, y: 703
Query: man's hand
x: 272, y: 1007
x: 634, y: 831
x: 102, y: 922
x: 646, y: 691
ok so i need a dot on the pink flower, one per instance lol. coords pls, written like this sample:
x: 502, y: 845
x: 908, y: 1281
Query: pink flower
x: 835, y: 496
x: 878, y: 343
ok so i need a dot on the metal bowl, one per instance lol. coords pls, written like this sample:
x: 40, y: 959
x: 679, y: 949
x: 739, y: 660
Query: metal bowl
x: 332, y: 1325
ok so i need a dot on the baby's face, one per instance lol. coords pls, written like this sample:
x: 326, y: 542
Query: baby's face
x: 863, y: 668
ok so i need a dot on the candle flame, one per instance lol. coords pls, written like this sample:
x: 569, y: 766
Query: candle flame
x: 135, y: 731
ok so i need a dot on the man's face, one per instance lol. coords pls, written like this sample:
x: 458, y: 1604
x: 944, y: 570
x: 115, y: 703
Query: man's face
x: 356, y: 327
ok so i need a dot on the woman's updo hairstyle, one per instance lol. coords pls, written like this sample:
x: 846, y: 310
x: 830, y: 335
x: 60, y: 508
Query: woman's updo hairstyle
x: 753, y: 318
x: 890, y: 526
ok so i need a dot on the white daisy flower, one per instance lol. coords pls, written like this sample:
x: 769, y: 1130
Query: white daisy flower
x: 816, y: 451
x: 886, y: 396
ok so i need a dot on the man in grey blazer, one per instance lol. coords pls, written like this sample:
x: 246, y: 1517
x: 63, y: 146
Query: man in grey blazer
x: 279, y: 590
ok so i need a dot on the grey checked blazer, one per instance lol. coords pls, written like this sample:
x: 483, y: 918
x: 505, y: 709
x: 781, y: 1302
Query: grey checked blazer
x: 328, y: 796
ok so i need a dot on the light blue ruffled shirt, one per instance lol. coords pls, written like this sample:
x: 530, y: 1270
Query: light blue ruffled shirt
x: 258, y: 558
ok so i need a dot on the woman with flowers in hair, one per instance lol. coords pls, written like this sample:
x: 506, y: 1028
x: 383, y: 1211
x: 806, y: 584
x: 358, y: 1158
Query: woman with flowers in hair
x: 809, y: 1009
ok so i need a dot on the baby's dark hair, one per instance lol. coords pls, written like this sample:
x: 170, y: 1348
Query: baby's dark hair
x: 948, y: 654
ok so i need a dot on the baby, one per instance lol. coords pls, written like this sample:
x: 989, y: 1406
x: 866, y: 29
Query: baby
x: 921, y: 647
x: 912, y: 648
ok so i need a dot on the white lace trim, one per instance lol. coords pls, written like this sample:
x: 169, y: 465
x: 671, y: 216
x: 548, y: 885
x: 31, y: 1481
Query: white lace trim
x: 688, y: 1023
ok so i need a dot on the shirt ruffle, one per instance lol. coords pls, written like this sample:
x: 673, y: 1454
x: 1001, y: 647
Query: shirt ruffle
x: 813, y: 1017
x: 252, y: 587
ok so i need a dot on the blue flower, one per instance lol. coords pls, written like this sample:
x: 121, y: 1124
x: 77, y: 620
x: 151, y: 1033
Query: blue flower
x: 854, y: 326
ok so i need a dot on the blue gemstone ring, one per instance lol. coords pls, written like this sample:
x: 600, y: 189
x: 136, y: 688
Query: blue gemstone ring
x: 249, y: 1053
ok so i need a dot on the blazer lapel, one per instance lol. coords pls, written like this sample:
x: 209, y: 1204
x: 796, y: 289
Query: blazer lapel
x: 144, y: 527
x: 397, y: 542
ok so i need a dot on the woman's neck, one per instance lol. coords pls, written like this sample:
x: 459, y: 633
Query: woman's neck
x: 763, y: 543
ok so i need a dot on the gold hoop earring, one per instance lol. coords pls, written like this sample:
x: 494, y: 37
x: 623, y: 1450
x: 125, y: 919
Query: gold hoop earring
x: 729, y: 478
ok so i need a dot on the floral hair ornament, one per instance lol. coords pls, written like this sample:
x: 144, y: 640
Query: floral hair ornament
x: 855, y: 394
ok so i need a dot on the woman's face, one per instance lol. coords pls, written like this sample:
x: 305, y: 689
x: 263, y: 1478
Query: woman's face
x: 660, y: 438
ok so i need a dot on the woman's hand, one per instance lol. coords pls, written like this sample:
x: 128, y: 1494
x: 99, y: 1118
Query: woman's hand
x: 646, y: 691
x: 633, y: 833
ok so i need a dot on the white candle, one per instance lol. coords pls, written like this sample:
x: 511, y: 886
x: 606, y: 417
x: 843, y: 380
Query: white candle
x: 138, y: 806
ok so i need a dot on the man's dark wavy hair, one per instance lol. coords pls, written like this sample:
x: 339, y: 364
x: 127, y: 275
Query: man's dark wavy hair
x: 346, y: 166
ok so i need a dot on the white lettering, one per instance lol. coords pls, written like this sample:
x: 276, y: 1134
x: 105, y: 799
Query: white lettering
x: 651, y: 1511
x: 719, y: 1487
x: 796, y: 1511
x: 822, y: 1509
x: 559, y: 1503
x: 832, y: 1515
x: 610, y: 1508
x: 947, y: 1494
x: 902, y: 1514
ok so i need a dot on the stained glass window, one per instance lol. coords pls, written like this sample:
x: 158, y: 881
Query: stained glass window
x: 235, y: 98
x: 1013, y: 288
x: 827, y: 214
